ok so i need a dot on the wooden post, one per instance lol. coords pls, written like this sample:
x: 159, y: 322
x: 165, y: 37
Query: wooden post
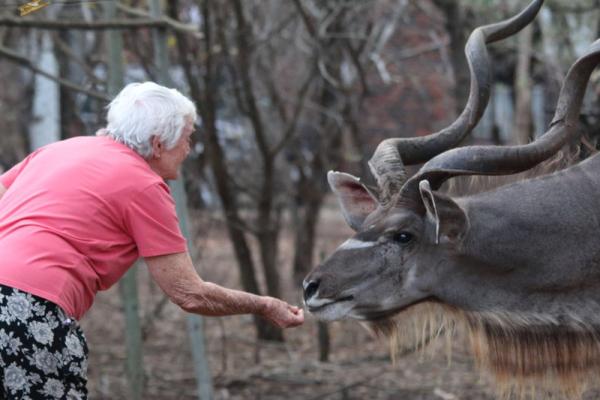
x: 133, y: 333
x: 194, y: 322
x: 323, y: 334
x: 127, y: 285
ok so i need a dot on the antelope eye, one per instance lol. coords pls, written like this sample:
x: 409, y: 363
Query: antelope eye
x: 402, y: 237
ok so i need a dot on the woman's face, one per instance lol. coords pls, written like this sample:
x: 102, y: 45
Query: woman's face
x: 168, y: 162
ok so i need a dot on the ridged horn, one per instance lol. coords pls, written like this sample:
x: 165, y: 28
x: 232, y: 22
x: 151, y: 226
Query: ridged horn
x: 503, y: 160
x: 387, y: 163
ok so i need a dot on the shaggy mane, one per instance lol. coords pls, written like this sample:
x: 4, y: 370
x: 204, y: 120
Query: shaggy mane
x: 523, y: 352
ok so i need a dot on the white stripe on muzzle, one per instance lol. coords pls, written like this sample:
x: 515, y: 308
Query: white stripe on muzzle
x: 353, y: 244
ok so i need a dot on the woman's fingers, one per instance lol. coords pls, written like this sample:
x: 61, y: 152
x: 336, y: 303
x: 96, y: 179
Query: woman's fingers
x: 284, y: 315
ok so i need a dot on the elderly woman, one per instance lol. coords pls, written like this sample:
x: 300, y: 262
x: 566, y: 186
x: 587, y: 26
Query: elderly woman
x: 74, y: 216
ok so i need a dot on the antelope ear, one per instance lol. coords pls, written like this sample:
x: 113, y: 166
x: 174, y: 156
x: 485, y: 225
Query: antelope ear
x: 354, y: 198
x: 451, y: 222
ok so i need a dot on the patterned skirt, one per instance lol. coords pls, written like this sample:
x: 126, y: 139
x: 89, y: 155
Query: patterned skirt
x: 43, y: 353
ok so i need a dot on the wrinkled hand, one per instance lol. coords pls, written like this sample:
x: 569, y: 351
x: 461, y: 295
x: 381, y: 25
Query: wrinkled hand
x: 282, y: 314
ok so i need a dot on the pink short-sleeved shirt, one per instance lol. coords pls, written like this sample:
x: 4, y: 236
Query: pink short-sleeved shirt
x: 76, y: 215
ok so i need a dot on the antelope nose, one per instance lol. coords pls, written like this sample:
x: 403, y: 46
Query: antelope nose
x: 310, y: 289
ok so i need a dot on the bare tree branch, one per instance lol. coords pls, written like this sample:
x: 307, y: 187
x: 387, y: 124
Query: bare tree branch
x: 142, y: 50
x: 268, y: 215
x: 300, y: 106
x: 416, y: 51
x: 13, y: 56
x: 64, y: 48
x: 249, y: 97
x: 575, y: 9
x: 280, y: 27
x: 96, y: 25
x: 355, y: 58
x: 173, y: 23
x: 327, y: 76
x: 310, y: 27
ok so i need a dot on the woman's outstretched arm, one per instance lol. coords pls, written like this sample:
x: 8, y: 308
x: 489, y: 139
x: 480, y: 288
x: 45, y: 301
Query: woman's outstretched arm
x: 176, y: 276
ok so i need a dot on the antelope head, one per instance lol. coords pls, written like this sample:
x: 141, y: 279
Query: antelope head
x: 382, y: 269
x: 410, y: 238
x: 403, y: 227
x: 479, y: 255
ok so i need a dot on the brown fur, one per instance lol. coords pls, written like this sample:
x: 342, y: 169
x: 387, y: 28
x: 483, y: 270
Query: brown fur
x: 521, y: 351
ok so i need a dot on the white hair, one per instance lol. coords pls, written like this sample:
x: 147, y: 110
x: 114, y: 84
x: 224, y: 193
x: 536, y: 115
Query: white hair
x: 143, y: 110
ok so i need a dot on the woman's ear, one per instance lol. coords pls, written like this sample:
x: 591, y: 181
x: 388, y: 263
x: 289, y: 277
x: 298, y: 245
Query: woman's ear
x: 157, y: 147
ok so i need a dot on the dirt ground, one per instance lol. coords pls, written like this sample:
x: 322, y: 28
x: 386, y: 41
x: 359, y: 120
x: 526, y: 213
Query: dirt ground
x: 359, y: 367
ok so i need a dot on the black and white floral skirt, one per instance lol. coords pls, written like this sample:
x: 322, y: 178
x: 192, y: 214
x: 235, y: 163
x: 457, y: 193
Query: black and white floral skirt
x: 43, y: 353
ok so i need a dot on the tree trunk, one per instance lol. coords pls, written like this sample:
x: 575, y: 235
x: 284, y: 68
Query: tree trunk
x: 455, y: 26
x: 324, y: 341
x: 71, y: 124
x: 306, y: 226
x: 45, y: 126
x: 523, y: 120
x: 267, y: 226
x: 268, y: 243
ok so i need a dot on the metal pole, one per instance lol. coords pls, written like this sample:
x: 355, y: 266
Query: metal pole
x: 128, y: 285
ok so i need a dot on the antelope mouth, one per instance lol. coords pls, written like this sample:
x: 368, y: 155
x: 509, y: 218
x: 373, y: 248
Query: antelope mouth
x: 372, y: 315
x: 321, y: 307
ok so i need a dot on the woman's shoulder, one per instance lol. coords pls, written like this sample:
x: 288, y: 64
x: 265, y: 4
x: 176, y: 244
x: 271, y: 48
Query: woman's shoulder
x: 115, y: 167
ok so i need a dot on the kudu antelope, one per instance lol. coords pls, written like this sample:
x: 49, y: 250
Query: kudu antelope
x: 518, y: 266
